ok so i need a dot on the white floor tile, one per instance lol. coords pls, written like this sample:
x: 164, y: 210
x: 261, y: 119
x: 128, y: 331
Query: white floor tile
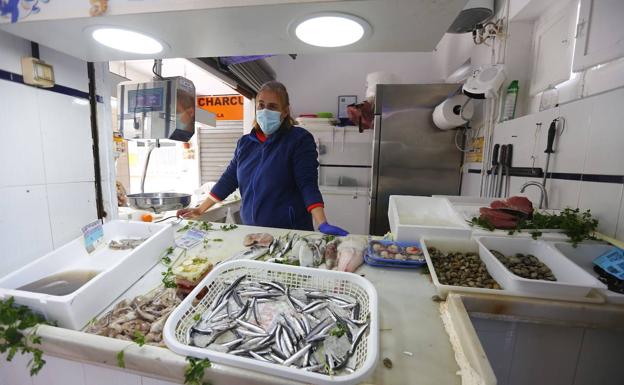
x: 604, y: 149
x: 603, y: 199
x: 15, y: 372
x: 67, y: 142
x: 58, y: 371
x: 72, y: 205
x: 97, y: 375
x: 21, y: 159
x: 25, y: 232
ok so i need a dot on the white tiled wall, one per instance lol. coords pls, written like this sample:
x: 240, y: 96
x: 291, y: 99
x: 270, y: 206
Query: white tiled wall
x: 535, y: 353
x: 59, y: 371
x: 590, y: 143
x: 46, y: 159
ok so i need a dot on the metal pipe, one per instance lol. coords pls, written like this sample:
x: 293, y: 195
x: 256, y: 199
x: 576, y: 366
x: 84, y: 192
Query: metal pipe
x: 149, y: 154
x: 543, y: 192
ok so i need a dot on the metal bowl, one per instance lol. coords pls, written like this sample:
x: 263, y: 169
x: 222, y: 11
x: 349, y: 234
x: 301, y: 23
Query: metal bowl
x: 159, y: 202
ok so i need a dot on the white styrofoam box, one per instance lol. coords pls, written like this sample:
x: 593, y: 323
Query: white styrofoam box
x: 366, y: 353
x: 71, y: 206
x: 66, y: 138
x: 21, y: 159
x: 463, y: 245
x: 464, y: 200
x: 118, y: 270
x: 604, y: 148
x: 583, y: 255
x: 69, y: 71
x: 450, y: 245
x: 572, y: 281
x: 414, y: 217
x: 602, y: 199
x: 25, y: 232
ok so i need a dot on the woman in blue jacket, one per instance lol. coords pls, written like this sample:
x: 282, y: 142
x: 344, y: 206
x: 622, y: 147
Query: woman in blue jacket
x: 276, y: 169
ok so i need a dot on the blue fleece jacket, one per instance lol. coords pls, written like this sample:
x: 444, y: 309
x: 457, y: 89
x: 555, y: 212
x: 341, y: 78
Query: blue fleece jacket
x: 278, y: 179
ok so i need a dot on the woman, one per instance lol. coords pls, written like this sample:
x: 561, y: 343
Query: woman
x: 276, y: 169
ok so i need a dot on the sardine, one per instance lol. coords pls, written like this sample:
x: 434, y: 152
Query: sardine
x: 357, y: 338
x: 300, y: 353
x: 251, y: 326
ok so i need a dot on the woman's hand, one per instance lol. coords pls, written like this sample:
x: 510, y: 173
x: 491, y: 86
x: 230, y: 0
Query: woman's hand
x: 189, y: 213
x: 326, y: 228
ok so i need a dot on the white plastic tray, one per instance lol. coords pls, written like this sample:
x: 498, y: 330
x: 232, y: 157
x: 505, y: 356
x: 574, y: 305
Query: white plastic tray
x: 572, y: 281
x: 413, y: 217
x: 583, y: 255
x: 330, y: 281
x: 118, y: 270
x: 460, y: 245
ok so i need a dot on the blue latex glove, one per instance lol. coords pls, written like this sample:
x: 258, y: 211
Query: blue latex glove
x: 326, y: 228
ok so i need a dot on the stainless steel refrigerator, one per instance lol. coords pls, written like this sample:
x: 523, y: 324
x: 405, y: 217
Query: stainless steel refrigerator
x: 411, y: 156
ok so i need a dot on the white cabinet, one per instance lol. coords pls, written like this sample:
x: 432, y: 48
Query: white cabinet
x: 347, y: 207
x: 553, y: 45
x: 599, y: 33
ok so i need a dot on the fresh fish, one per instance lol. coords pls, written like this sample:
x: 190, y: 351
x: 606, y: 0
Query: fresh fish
x: 298, y: 335
x: 251, y: 326
x: 300, y: 353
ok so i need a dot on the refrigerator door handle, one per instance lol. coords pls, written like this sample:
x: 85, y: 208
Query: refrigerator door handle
x: 375, y: 156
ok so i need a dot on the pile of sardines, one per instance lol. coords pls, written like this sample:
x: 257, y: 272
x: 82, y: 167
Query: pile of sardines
x: 270, y: 322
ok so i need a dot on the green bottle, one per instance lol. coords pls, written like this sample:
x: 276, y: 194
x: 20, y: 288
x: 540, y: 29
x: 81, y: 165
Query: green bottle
x: 509, y: 106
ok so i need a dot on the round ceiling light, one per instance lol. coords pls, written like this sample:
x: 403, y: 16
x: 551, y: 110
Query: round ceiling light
x: 126, y: 41
x: 331, y: 30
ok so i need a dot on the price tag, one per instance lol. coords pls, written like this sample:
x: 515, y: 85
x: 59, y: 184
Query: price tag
x: 93, y: 235
x: 612, y: 262
x: 191, y: 238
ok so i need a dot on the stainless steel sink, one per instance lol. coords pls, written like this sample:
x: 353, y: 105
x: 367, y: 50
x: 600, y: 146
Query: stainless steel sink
x: 159, y: 202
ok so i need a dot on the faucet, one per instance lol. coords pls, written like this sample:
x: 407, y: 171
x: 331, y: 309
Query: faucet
x: 543, y: 193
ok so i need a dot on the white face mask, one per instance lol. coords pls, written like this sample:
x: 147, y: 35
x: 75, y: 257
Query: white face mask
x: 269, y: 121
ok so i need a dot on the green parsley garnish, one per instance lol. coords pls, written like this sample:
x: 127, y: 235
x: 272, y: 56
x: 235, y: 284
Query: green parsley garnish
x: 14, y: 320
x: 194, y: 372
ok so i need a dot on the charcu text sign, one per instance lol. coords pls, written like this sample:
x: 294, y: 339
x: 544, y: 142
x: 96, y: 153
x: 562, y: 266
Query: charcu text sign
x: 225, y: 107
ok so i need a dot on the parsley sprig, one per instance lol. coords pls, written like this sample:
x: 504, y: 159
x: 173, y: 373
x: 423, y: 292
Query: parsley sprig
x: 14, y: 336
x: 576, y: 224
x: 194, y: 372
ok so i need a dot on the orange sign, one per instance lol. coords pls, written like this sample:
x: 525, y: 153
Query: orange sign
x: 226, y: 107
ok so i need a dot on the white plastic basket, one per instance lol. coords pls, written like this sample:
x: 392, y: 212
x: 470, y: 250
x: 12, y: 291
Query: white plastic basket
x: 335, y: 282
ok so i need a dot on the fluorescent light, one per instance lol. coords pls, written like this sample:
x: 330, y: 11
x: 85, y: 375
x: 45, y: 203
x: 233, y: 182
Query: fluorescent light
x: 126, y: 41
x: 331, y: 30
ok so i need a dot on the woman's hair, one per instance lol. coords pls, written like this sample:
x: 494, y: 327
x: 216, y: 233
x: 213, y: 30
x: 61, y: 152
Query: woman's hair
x: 282, y: 94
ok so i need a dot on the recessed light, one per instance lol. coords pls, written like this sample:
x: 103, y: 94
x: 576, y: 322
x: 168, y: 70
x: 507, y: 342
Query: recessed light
x: 331, y: 30
x: 126, y: 40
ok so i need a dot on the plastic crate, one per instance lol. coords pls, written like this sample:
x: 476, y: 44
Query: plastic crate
x: 353, y: 285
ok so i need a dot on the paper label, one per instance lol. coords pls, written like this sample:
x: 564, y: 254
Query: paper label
x: 612, y: 262
x: 191, y: 238
x: 93, y: 235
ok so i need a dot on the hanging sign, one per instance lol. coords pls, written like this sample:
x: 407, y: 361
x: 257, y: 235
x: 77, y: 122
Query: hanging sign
x: 225, y: 107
